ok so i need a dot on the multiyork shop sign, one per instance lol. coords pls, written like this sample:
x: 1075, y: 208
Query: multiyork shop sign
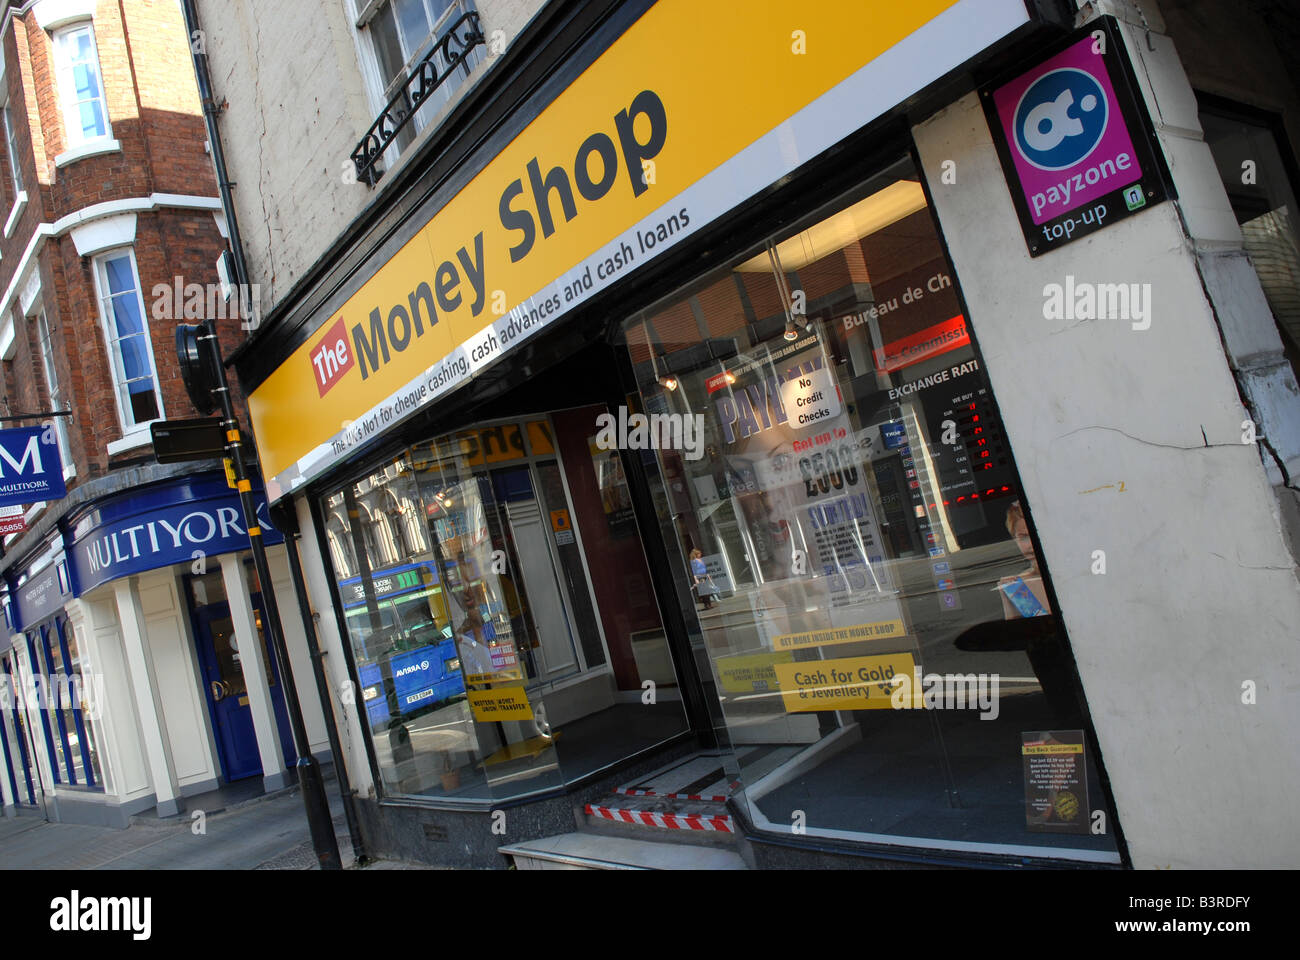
x: 1076, y: 147
x: 158, y: 530
x: 624, y: 164
x: 30, y: 468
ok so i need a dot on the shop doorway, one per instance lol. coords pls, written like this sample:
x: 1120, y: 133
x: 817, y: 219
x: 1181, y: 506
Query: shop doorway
x: 530, y: 527
x: 225, y: 688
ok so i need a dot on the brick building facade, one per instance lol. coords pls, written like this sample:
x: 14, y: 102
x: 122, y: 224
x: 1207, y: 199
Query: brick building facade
x: 111, y: 216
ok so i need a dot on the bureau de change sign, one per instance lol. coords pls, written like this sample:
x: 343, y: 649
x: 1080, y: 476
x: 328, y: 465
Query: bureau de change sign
x: 1075, y: 143
x: 30, y: 467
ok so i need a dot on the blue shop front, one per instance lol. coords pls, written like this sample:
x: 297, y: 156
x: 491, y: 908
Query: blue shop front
x: 136, y: 672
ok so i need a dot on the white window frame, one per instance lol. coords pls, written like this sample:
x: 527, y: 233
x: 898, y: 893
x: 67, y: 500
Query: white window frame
x: 429, y: 115
x: 45, y: 338
x: 11, y: 149
x: 133, y: 434
x: 20, y: 194
x: 73, y: 138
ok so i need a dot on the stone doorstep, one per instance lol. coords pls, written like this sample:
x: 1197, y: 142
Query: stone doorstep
x: 589, y: 851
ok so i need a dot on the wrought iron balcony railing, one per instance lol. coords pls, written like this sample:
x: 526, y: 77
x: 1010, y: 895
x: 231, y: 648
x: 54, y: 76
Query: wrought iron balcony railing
x: 454, y: 47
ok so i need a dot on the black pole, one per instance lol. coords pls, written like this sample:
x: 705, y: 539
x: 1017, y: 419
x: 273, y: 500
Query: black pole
x: 319, y: 821
x: 289, y: 527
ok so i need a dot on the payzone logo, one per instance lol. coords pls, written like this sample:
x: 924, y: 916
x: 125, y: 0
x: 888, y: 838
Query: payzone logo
x: 332, y: 357
x: 1060, y: 119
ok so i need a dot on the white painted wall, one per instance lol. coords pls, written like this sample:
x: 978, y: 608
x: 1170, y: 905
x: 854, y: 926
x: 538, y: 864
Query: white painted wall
x: 1200, y: 592
x: 297, y: 106
x: 114, y: 719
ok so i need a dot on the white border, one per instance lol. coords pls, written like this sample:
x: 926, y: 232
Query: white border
x: 88, y: 148
x: 134, y: 430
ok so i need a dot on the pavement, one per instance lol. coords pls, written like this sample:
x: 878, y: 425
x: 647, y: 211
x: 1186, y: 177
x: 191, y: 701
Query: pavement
x: 263, y: 833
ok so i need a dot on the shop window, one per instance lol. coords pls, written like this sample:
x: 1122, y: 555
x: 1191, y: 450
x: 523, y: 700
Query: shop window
x: 122, y: 314
x: 63, y: 703
x: 860, y: 557
x: 1255, y: 170
x: 81, y: 89
x: 75, y: 701
x: 505, y: 649
x: 18, y: 745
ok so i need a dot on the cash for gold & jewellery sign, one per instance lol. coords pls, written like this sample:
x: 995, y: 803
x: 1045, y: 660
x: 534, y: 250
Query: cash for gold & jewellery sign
x: 668, y: 130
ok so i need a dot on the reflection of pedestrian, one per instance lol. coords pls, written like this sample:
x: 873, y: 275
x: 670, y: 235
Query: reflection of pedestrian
x: 1023, y: 595
x: 704, y: 586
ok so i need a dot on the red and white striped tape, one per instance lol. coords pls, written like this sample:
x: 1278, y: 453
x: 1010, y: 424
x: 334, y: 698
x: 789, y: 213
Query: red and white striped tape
x: 670, y: 821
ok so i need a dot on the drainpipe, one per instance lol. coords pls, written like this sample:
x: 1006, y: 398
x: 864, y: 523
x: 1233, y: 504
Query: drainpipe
x: 218, y: 154
x: 287, y: 524
x: 309, y: 776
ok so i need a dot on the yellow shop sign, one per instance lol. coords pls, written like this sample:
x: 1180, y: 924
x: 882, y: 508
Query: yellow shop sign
x: 688, y: 114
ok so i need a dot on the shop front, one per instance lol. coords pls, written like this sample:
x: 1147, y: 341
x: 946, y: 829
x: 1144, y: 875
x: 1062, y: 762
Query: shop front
x: 137, y: 671
x: 675, y: 476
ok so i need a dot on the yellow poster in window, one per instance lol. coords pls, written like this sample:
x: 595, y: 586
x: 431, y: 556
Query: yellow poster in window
x: 501, y: 704
x: 751, y: 672
x: 851, y: 683
x: 882, y: 629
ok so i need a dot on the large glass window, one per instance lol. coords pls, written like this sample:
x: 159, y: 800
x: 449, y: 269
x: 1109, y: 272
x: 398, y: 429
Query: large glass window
x: 501, y: 617
x: 18, y: 744
x: 877, y: 620
x: 66, y: 703
x: 122, y: 310
x: 81, y: 90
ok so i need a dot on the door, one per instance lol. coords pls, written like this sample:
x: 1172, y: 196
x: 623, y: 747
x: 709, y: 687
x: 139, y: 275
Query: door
x: 227, y: 695
x: 530, y: 533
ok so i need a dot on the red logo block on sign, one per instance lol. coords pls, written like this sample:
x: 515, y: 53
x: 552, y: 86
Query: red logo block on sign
x: 332, y: 357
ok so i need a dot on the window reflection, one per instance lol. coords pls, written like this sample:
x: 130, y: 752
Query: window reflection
x: 492, y: 662
x: 857, y: 509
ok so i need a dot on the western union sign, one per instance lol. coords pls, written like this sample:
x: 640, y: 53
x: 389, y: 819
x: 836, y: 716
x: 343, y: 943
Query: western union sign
x: 622, y: 165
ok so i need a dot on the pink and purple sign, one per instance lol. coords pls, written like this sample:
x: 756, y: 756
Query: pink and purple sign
x: 1072, y: 144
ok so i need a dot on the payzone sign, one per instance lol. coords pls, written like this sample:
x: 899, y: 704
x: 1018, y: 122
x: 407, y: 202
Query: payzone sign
x: 1075, y: 148
x: 30, y: 467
